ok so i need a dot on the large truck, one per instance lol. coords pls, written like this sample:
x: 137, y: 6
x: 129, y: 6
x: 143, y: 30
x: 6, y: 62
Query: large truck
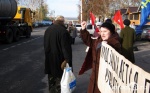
x: 15, y: 21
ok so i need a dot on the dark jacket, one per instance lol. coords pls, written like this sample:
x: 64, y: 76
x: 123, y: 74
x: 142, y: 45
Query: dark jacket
x: 128, y: 37
x: 95, y: 45
x: 57, y: 46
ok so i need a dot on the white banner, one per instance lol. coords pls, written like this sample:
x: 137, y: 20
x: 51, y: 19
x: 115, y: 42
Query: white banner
x: 119, y: 75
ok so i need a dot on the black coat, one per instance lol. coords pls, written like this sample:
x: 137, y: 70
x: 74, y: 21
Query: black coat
x: 57, y: 46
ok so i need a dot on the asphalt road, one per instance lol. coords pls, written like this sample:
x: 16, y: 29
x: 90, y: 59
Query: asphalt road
x: 22, y: 64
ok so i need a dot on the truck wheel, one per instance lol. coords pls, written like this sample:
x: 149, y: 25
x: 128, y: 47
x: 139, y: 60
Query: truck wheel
x: 28, y: 33
x: 9, y: 36
x: 16, y: 35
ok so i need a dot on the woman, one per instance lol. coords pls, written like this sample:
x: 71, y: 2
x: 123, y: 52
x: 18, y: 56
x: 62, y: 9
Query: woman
x: 106, y: 34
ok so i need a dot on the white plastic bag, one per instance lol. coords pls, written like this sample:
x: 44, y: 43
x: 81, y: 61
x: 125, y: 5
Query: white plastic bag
x: 68, y: 80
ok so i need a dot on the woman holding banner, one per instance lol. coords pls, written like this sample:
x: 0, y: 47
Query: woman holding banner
x: 107, y: 35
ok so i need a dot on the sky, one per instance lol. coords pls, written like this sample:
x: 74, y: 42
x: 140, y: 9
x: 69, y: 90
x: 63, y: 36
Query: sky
x: 66, y: 8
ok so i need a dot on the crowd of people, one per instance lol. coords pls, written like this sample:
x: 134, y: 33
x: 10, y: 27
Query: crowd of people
x: 57, y: 45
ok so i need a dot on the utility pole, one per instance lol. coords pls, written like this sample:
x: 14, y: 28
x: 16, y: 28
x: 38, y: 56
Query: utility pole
x: 41, y: 10
x: 81, y: 10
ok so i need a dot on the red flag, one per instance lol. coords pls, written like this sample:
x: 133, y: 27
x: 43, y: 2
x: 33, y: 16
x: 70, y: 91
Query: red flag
x: 96, y: 29
x: 118, y: 19
x: 92, y: 17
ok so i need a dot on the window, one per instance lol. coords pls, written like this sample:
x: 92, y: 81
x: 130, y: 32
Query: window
x: 131, y: 16
x: 89, y: 26
x: 136, y: 16
x: 78, y: 25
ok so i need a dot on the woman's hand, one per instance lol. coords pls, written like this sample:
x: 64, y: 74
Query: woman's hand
x: 83, y: 25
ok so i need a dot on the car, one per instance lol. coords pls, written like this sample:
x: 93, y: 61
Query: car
x: 139, y: 31
x: 146, y: 34
x: 90, y: 28
x: 78, y: 27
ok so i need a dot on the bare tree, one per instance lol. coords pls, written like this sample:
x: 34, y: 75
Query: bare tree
x: 106, y: 8
x: 32, y: 4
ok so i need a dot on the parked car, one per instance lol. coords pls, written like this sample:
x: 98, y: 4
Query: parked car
x: 90, y: 28
x: 146, y: 34
x: 139, y: 31
x: 78, y: 27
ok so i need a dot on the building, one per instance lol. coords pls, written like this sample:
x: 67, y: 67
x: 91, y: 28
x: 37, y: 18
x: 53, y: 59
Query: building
x: 133, y: 14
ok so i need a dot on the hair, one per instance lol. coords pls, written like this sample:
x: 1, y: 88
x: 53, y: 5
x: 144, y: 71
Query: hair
x: 126, y: 22
x: 60, y: 18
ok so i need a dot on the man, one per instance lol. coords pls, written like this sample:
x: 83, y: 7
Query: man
x: 73, y: 31
x: 128, y: 37
x: 58, y: 51
x: 133, y: 25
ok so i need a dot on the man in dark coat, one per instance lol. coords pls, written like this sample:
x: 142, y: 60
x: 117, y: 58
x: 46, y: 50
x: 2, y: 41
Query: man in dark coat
x: 128, y: 38
x: 58, y: 51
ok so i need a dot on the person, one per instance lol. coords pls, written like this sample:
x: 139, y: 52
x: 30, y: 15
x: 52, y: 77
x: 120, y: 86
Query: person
x: 58, y: 52
x: 52, y: 21
x: 74, y: 35
x: 133, y: 25
x: 116, y: 34
x: 106, y: 35
x: 73, y: 32
x: 128, y: 38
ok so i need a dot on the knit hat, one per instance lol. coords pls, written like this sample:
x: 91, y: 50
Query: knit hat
x: 109, y: 26
x: 126, y: 22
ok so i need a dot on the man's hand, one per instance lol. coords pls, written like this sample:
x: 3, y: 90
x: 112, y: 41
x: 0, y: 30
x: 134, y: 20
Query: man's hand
x: 63, y: 64
x: 83, y: 25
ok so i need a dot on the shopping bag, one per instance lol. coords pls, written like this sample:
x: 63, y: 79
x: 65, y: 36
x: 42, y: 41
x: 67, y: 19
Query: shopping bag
x: 68, y: 80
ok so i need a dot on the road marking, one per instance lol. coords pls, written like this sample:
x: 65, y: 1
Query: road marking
x: 22, y: 43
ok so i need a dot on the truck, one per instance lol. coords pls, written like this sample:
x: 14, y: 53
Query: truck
x: 15, y: 21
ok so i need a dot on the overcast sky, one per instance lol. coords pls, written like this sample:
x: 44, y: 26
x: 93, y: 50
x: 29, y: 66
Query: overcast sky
x: 67, y: 8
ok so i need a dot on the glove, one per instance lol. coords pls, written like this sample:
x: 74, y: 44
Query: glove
x: 63, y: 64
